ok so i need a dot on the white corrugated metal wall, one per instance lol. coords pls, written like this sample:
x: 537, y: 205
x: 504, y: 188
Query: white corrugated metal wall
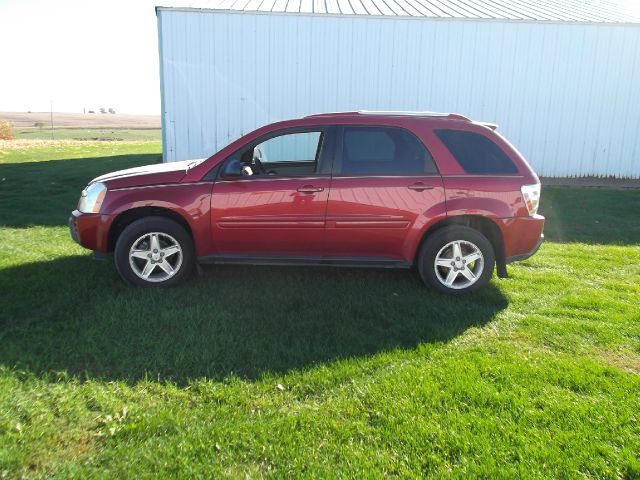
x: 566, y: 94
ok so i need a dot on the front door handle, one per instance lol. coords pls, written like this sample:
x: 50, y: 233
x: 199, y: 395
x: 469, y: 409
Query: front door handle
x: 419, y: 187
x: 310, y: 189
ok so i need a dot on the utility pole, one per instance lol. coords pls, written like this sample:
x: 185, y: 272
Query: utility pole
x: 53, y: 137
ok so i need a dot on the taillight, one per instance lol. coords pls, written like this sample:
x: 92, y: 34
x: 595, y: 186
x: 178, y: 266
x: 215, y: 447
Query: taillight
x: 531, y: 197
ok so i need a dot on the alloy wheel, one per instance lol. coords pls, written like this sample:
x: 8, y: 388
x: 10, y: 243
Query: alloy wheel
x: 459, y: 264
x: 155, y: 257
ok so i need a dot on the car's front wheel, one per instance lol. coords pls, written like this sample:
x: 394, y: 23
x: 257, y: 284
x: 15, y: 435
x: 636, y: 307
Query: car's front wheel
x: 154, y: 251
x: 456, y: 260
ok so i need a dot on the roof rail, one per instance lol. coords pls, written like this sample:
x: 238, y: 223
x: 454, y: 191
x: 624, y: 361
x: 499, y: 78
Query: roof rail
x: 332, y: 114
x: 453, y: 116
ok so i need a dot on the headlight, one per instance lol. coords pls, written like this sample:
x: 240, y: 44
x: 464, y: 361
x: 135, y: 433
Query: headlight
x: 531, y: 197
x: 91, y: 198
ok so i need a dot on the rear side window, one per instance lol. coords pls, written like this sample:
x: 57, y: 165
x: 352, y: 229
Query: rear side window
x: 384, y: 151
x: 476, y: 153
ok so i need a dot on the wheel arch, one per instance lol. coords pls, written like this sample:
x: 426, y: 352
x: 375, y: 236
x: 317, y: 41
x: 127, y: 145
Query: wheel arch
x: 127, y: 217
x: 484, y: 225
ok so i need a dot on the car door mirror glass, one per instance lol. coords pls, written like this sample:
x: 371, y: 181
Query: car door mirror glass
x: 233, y: 169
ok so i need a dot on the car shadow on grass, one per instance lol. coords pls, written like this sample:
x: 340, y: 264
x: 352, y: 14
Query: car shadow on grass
x: 76, y: 316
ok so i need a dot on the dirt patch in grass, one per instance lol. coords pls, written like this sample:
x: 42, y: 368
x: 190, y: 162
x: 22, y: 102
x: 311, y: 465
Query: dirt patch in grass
x: 35, y: 143
x: 626, y: 361
x: 25, y: 143
x: 68, y: 447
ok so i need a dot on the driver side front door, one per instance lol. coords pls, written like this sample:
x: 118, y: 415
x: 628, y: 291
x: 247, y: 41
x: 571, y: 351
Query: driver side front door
x: 280, y: 209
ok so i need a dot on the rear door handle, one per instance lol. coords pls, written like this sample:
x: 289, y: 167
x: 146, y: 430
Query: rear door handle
x: 419, y: 187
x: 310, y: 189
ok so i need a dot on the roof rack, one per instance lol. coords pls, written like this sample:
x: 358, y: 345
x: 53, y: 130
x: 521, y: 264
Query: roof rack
x: 453, y: 116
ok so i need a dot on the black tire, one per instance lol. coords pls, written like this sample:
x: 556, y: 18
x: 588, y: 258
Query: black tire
x: 441, y: 238
x: 147, y: 225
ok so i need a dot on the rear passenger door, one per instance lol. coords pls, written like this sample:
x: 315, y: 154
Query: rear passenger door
x: 385, y: 187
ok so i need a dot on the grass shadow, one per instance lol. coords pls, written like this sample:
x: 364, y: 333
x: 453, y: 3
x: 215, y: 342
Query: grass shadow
x: 75, y: 315
x: 44, y: 193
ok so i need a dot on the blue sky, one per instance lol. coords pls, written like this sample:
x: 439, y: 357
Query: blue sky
x: 79, y: 53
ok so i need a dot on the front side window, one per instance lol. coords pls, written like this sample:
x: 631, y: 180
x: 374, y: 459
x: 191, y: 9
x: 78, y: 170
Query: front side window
x: 476, y: 153
x: 288, y: 154
x: 293, y: 147
x: 384, y: 151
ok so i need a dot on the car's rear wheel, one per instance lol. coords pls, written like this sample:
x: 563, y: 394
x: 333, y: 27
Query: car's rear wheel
x: 154, y: 251
x: 456, y: 260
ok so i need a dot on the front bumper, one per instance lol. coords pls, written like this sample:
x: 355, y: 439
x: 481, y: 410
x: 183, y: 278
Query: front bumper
x: 90, y: 230
x: 73, y: 230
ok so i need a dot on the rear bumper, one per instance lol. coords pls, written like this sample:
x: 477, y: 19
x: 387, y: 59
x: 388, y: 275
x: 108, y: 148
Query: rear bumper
x: 522, y: 236
x: 524, y: 256
x: 90, y: 230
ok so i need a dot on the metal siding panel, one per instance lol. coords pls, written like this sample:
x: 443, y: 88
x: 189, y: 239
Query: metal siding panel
x: 615, y: 105
x: 632, y: 118
x: 593, y: 129
x: 571, y: 86
x: 162, y: 88
x: 570, y: 114
x: 168, y: 93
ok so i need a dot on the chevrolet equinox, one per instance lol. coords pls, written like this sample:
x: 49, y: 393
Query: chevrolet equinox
x: 438, y: 192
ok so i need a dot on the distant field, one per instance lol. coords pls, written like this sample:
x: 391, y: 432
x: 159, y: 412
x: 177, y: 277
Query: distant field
x: 101, y: 134
x: 89, y: 126
x: 21, y: 120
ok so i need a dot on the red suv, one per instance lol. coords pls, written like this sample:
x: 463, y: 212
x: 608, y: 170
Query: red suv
x: 439, y: 192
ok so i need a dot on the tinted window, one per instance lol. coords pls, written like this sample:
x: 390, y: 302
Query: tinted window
x: 476, y: 153
x: 383, y: 150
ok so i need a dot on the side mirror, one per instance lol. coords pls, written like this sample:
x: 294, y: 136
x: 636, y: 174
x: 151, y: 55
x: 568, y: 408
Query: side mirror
x: 232, y: 169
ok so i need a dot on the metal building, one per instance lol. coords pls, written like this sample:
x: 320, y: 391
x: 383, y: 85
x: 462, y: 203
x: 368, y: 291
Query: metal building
x: 561, y: 78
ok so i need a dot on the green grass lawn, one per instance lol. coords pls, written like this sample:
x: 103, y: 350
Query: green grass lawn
x: 249, y: 372
x: 125, y: 134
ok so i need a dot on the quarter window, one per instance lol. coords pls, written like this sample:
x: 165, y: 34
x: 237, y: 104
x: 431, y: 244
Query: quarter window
x: 384, y: 151
x: 476, y: 153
